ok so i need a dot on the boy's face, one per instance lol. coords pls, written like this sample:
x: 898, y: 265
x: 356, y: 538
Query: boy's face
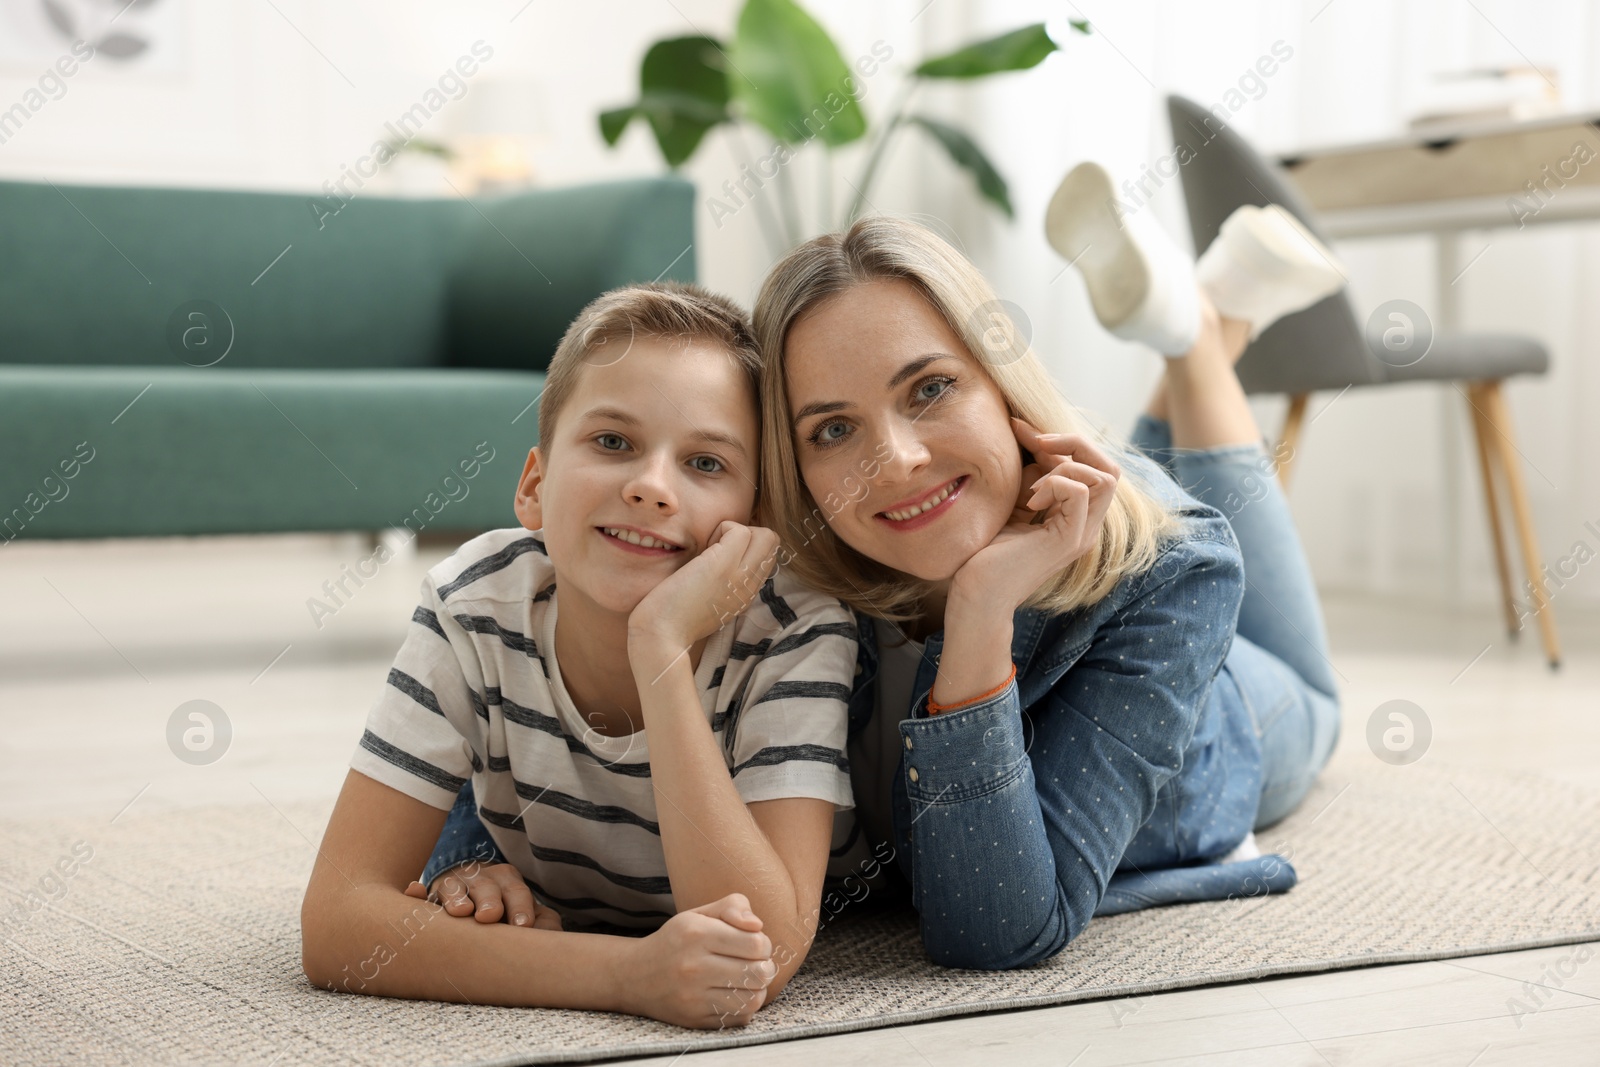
x: 660, y: 444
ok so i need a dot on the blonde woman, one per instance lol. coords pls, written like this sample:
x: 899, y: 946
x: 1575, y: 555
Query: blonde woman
x: 1089, y: 671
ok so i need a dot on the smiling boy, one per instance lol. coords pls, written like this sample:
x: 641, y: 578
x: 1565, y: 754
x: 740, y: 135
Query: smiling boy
x: 642, y: 760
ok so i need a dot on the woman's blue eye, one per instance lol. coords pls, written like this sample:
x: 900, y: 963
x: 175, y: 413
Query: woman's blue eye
x: 611, y: 442
x: 932, y: 388
x: 829, y: 433
x: 706, y: 464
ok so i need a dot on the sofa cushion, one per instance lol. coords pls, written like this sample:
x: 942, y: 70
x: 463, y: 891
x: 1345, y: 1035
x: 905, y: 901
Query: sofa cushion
x: 526, y: 265
x: 150, y: 451
x: 93, y: 275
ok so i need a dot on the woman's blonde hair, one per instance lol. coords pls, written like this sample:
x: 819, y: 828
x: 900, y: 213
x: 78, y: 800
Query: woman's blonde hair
x: 888, y: 247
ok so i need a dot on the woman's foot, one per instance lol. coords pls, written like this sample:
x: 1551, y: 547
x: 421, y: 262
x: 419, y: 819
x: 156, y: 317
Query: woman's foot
x: 1141, y: 286
x: 1262, y: 266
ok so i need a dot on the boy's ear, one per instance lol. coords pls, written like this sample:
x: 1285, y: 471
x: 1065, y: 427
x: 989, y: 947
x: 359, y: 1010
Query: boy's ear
x: 530, y: 487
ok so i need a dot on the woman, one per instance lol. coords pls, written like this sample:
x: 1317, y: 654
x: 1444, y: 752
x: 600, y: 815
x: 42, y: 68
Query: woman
x: 1088, y: 684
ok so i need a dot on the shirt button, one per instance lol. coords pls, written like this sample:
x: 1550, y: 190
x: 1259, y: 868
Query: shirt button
x: 908, y: 744
x: 912, y: 774
x: 858, y: 670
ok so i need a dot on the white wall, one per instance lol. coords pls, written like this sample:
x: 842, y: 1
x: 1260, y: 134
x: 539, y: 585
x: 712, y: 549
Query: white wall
x: 283, y: 95
x: 1377, y: 476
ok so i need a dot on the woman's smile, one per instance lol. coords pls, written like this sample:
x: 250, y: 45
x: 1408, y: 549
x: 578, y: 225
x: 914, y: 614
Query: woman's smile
x: 919, y: 511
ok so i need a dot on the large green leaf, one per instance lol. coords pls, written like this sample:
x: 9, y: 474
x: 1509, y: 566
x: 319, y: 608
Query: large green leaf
x: 965, y: 152
x: 790, y: 78
x: 613, y: 122
x: 692, y: 67
x: 683, y: 92
x: 1017, y: 50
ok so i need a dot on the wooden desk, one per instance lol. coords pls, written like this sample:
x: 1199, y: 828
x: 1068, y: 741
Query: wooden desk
x: 1455, y: 180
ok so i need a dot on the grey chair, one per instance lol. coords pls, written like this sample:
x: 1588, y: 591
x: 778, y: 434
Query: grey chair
x: 1323, y: 347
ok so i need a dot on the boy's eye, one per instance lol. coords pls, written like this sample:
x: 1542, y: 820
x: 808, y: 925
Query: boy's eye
x: 706, y: 464
x: 611, y: 442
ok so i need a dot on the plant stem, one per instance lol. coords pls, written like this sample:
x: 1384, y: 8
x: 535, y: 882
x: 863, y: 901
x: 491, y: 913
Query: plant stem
x: 791, y: 206
x: 771, y: 231
x: 869, y: 171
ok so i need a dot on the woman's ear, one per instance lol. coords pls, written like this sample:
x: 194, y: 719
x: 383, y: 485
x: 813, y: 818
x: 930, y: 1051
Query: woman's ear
x: 529, y: 489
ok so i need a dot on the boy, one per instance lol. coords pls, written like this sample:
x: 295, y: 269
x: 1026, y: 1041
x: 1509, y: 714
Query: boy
x: 643, y: 760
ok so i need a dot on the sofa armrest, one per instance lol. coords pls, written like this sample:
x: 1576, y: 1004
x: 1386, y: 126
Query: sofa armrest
x: 526, y: 264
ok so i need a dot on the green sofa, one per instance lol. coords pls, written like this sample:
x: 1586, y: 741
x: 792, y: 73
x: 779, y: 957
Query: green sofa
x: 178, y: 361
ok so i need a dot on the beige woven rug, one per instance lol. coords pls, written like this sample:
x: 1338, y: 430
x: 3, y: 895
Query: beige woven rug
x: 178, y: 941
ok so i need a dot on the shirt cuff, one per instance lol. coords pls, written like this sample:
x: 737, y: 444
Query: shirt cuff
x: 969, y: 752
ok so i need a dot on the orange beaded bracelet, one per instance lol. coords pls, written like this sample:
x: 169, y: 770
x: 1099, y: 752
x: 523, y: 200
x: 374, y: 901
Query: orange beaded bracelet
x: 935, y: 708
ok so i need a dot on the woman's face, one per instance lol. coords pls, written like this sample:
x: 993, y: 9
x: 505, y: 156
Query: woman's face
x: 903, y: 439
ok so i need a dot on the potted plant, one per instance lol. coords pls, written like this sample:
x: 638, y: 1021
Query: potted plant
x: 783, y: 74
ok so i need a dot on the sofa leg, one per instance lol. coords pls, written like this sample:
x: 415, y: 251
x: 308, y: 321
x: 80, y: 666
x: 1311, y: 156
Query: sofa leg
x: 401, y: 541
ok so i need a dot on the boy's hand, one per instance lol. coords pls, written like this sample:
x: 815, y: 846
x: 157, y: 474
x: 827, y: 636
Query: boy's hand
x: 701, y: 596
x: 489, y: 894
x: 706, y: 968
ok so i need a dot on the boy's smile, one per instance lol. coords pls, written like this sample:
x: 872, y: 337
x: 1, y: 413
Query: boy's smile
x: 642, y: 541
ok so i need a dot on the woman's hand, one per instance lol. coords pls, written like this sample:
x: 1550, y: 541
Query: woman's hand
x: 1059, y: 511
x: 700, y: 597
x: 1072, y: 482
x: 706, y: 968
x: 489, y: 894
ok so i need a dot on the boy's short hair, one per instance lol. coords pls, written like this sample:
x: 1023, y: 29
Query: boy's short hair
x: 606, y: 328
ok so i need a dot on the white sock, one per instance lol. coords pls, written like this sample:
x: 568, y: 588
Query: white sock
x: 1141, y: 285
x: 1264, y: 265
x: 1247, y: 850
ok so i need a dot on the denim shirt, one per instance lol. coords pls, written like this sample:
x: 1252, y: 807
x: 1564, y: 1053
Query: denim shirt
x: 1110, y: 775
x: 1113, y: 771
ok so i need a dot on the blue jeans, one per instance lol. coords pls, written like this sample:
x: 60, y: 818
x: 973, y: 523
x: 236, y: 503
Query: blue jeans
x: 1280, y: 657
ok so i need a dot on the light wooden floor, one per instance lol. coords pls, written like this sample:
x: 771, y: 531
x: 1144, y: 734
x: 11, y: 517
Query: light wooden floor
x: 106, y: 639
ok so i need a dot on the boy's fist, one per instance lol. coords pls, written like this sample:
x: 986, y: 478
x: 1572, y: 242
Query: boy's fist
x: 707, y: 968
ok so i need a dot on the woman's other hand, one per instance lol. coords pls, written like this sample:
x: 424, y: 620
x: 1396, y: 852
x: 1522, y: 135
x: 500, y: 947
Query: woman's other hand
x: 490, y: 894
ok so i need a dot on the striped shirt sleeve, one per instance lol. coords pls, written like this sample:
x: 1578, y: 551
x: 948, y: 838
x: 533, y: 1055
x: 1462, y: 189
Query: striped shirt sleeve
x: 791, y: 722
x: 416, y: 738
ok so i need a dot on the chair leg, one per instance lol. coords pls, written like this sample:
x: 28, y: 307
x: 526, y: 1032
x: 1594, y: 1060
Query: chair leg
x: 1484, y: 433
x: 1498, y: 415
x: 1289, y: 439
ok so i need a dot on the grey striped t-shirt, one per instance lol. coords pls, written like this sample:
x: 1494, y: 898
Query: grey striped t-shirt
x: 476, y: 691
